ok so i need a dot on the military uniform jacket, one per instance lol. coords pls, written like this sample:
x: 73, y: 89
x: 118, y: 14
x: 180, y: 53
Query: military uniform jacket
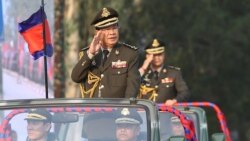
x: 169, y: 85
x: 117, y: 78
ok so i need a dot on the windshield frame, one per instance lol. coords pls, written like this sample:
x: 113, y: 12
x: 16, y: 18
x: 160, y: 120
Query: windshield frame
x: 150, y: 108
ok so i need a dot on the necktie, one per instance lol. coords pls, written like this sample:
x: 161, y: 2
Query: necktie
x: 105, y: 56
x: 156, y: 75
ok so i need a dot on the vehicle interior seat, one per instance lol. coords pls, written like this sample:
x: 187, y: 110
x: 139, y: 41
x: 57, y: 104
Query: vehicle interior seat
x: 165, y: 130
x: 99, y: 127
x: 52, y: 137
x: 142, y: 136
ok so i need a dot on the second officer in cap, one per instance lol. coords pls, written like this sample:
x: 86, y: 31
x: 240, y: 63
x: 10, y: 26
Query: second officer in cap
x: 107, y: 68
x: 161, y: 83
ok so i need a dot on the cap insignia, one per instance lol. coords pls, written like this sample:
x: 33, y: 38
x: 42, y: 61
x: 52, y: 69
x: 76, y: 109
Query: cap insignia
x: 155, y: 43
x: 105, y: 12
x: 125, y: 111
x: 32, y: 110
x: 164, y: 70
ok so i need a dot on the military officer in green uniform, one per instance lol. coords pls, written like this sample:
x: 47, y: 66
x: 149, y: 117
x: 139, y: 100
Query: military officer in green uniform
x: 107, y: 68
x: 39, y: 125
x: 160, y: 83
x: 128, y: 123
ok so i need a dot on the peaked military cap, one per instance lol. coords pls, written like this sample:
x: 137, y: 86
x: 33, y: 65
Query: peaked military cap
x: 155, y: 47
x: 105, y: 18
x: 39, y: 114
x: 128, y: 116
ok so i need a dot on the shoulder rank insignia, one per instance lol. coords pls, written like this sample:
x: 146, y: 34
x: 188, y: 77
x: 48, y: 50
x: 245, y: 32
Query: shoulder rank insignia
x: 129, y: 46
x: 85, y: 48
x: 173, y: 67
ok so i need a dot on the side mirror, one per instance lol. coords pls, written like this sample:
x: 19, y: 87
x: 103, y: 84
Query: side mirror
x: 218, y: 137
x: 177, y: 138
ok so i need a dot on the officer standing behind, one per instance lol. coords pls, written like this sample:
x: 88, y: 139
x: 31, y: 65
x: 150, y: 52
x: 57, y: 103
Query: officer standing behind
x: 107, y: 68
x: 160, y: 83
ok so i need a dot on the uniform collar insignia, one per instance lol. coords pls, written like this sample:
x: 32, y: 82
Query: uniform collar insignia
x: 164, y: 70
x: 105, y: 12
x: 117, y: 52
x: 93, y: 63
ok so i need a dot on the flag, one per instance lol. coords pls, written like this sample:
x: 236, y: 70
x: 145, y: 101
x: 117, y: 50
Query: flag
x: 32, y: 32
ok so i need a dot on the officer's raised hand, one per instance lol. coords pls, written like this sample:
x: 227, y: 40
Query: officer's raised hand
x: 146, y: 63
x: 149, y: 58
x: 96, y: 43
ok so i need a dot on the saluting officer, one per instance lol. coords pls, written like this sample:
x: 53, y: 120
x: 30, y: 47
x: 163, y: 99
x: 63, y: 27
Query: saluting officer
x: 107, y: 68
x: 160, y: 83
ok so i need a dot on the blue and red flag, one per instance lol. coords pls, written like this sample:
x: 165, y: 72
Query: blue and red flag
x: 32, y: 32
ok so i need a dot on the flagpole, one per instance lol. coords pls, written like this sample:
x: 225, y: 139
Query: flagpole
x: 45, y: 51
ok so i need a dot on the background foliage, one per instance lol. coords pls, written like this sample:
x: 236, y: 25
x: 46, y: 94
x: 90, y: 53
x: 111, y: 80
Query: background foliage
x: 208, y: 39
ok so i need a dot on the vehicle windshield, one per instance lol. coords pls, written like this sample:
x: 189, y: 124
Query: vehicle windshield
x: 75, y: 123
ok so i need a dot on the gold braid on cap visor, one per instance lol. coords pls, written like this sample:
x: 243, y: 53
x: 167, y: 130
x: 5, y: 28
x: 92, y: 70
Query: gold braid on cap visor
x: 127, y: 120
x: 155, y: 50
x: 107, y: 22
x: 36, y: 116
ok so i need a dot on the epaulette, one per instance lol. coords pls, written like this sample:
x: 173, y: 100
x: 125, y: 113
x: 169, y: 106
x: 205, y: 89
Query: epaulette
x: 85, y: 48
x: 129, y: 46
x: 173, y: 67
